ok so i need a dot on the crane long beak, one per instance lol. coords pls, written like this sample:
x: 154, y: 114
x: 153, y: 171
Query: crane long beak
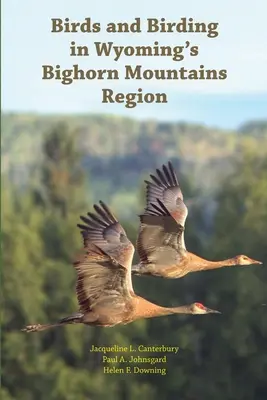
x: 209, y: 311
x: 252, y: 261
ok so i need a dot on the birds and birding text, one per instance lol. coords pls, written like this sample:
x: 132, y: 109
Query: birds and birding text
x: 119, y: 55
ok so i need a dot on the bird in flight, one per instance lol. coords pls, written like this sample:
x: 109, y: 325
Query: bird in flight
x: 160, y: 243
x: 104, y: 283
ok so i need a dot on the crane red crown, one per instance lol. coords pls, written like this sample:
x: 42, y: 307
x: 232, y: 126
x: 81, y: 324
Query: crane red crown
x: 199, y: 305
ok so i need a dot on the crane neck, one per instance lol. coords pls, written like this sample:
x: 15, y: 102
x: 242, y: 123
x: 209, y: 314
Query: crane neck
x: 145, y: 309
x: 200, y: 263
x: 180, y: 310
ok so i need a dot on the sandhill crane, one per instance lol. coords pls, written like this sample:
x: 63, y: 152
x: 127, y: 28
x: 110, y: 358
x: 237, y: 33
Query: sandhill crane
x: 104, y: 284
x: 160, y: 243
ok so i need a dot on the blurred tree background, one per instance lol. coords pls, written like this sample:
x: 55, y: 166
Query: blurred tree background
x: 52, y: 172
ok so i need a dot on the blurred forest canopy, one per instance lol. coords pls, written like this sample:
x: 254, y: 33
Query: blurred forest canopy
x: 53, y: 168
x: 117, y: 152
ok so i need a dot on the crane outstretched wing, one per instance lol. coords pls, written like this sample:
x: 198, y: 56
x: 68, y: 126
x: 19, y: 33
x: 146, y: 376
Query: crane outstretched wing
x: 161, y: 234
x: 104, y: 271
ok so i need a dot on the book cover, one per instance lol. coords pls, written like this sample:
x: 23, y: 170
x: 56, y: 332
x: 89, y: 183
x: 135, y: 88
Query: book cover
x: 134, y: 200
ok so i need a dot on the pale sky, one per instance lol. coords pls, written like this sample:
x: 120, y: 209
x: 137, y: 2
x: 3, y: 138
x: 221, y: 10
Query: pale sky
x: 240, y: 48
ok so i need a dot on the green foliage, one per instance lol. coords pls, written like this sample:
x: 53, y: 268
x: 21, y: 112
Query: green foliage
x: 220, y: 357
